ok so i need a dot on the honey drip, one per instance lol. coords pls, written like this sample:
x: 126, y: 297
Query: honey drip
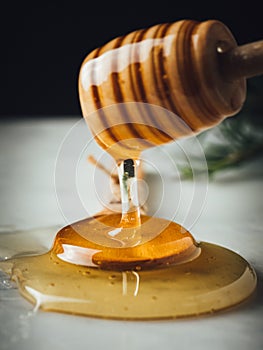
x: 132, y: 266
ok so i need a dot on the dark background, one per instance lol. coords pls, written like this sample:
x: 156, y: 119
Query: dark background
x: 43, y: 45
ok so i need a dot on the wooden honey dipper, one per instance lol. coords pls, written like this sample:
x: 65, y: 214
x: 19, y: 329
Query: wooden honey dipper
x: 190, y: 69
x: 143, y: 89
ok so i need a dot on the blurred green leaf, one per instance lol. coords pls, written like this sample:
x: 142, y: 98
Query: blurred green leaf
x: 237, y: 139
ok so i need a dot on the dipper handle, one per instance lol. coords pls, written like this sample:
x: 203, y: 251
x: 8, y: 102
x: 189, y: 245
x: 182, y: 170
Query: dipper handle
x: 244, y: 61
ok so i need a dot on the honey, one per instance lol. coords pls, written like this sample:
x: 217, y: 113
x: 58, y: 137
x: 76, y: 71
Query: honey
x: 139, y: 91
x: 155, y: 270
x: 214, y: 280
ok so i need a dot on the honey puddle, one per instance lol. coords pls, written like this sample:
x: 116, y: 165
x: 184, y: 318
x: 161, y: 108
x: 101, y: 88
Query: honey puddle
x: 165, y: 276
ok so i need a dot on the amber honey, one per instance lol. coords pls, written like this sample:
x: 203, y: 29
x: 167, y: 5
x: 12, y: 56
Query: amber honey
x: 214, y: 279
x: 132, y: 275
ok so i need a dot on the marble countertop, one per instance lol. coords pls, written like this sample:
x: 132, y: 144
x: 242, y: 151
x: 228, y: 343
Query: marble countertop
x: 231, y: 215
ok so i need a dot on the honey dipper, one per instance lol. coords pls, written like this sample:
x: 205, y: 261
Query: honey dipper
x: 193, y: 70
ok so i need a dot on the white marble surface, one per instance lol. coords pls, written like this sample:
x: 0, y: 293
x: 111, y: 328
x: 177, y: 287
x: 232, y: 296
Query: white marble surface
x: 232, y: 217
